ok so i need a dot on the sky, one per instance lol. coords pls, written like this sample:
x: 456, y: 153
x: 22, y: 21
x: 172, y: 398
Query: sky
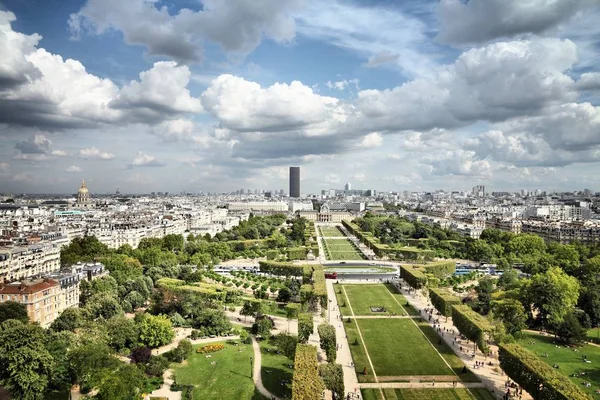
x: 220, y: 95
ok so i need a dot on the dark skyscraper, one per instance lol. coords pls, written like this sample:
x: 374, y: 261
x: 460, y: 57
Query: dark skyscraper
x: 294, y: 181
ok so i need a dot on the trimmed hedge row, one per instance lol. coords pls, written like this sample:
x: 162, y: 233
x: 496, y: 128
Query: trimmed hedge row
x: 471, y: 324
x: 280, y: 268
x: 441, y: 269
x: 305, y: 326
x: 415, y: 278
x: 297, y: 253
x: 538, y: 378
x: 306, y: 382
x: 443, y: 301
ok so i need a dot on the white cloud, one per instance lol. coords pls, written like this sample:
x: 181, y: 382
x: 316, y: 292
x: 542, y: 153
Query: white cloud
x: 238, y: 27
x: 342, y: 85
x: 38, y: 144
x: 93, y: 153
x: 242, y: 105
x: 4, y: 168
x: 15, y: 69
x: 371, y: 140
x: 146, y: 160
x: 73, y: 168
x: 160, y: 90
x: 589, y: 81
x: 59, y: 153
x: 382, y: 58
x: 457, y: 162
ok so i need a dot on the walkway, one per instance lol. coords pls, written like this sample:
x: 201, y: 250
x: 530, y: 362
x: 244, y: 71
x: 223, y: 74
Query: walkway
x: 281, y: 324
x: 382, y: 316
x: 256, y: 375
x: 343, y: 354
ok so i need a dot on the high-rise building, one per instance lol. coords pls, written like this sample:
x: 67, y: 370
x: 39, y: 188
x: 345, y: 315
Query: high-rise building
x: 347, y: 187
x: 294, y: 181
x: 479, y: 191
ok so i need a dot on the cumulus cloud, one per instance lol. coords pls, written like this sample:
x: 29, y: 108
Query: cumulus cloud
x: 457, y: 162
x: 160, y: 91
x: 92, y: 153
x: 371, y: 140
x: 59, y: 153
x: 52, y: 93
x: 173, y: 130
x: 237, y: 26
x: 477, y: 21
x: 243, y: 105
x: 73, y: 168
x: 492, y: 83
x: 4, y: 168
x: 589, y: 81
x: 15, y: 69
x: 38, y: 144
x: 145, y: 160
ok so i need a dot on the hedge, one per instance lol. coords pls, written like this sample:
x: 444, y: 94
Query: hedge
x: 307, y: 294
x: 279, y: 268
x: 305, y: 326
x: 306, y: 383
x: 441, y: 269
x: 328, y: 341
x: 538, y: 378
x: 297, y: 253
x: 319, y: 285
x: 443, y: 301
x: 415, y: 278
x: 471, y: 324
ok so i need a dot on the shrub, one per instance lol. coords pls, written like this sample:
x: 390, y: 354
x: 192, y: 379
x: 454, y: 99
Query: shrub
x: 306, y: 383
x: 141, y: 355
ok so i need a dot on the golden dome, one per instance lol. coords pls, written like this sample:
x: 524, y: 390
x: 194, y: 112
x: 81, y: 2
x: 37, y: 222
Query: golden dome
x: 83, y: 189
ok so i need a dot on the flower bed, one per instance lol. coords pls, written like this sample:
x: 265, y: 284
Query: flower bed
x: 210, y: 348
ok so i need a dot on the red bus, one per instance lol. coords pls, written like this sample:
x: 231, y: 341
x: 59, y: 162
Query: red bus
x: 331, y: 275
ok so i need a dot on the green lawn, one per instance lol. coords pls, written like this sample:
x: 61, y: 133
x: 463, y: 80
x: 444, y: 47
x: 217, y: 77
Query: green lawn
x: 362, y: 297
x: 427, y: 394
x: 341, y: 249
x: 331, y: 231
x: 409, y: 309
x: 275, y: 369
x: 569, y: 361
x: 397, y: 347
x: 593, y: 335
x: 228, y: 379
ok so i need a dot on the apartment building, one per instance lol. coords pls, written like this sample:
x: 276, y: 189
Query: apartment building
x: 41, y: 297
x: 20, y: 262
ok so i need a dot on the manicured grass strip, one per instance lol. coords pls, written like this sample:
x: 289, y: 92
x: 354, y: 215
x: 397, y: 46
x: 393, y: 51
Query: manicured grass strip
x: 341, y: 249
x: 441, y: 394
x: 428, y: 394
x: 344, y: 309
x: 408, y: 308
x: 359, y: 355
x: 362, y: 297
x: 569, y: 361
x: 229, y: 378
x: 331, y: 231
x: 452, y: 359
x: 275, y: 369
x: 397, y: 347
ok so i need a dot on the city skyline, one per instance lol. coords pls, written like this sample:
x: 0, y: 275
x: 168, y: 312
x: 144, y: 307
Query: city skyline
x: 420, y: 95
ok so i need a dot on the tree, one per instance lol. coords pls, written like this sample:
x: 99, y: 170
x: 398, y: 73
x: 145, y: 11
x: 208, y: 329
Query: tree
x: 284, y: 295
x: 570, y: 331
x: 328, y: 341
x: 305, y: 327
x: 509, y: 279
x: 68, y: 320
x: 140, y: 355
x: 58, y: 345
x: 155, y: 330
x: 567, y: 257
x: 25, y: 364
x: 89, y: 360
x: 13, y: 310
x: 135, y: 299
x: 484, y: 294
x: 123, y: 333
x: 512, y: 314
x: 102, y: 305
x: 286, y: 343
x: 589, y: 301
x: 554, y: 294
x: 526, y: 243
x: 122, y: 267
x: 157, y: 366
x: 125, y: 383
x: 333, y: 377
x: 262, y: 326
x: 212, y: 319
